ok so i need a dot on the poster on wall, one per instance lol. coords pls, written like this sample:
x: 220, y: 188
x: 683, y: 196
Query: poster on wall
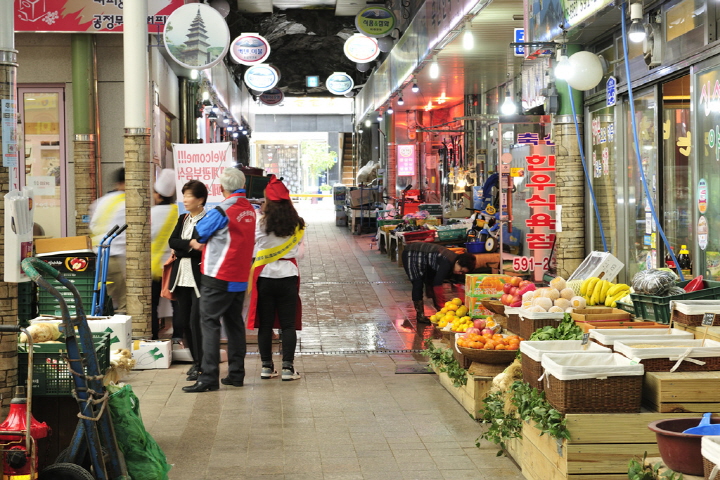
x: 91, y: 16
x: 406, y: 160
x: 204, y: 162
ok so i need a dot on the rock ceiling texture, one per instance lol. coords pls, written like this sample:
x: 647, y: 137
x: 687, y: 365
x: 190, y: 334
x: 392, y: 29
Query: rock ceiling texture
x: 302, y: 43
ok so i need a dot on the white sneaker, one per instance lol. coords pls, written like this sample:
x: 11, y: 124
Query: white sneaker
x: 268, y: 373
x: 289, y: 374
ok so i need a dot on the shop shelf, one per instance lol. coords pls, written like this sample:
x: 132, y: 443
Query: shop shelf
x: 651, y: 307
x: 51, y: 373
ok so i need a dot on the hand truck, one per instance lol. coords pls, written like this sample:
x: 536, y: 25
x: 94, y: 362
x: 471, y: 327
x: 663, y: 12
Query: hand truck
x: 101, y: 271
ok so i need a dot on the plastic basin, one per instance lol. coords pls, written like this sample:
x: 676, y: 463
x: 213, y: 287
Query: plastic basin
x: 475, y: 247
x: 680, y: 451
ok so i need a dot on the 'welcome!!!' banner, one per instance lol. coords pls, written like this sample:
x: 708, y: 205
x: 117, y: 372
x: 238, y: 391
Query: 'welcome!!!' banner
x: 204, y: 162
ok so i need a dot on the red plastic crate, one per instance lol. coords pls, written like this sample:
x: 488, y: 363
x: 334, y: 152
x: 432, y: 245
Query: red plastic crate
x: 419, y: 236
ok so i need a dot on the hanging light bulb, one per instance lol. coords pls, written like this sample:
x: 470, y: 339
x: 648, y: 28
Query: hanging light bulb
x: 206, y: 95
x: 415, y: 88
x: 368, y: 123
x: 434, y: 68
x: 390, y: 110
x: 562, y: 69
x: 215, y: 109
x: 379, y: 117
x: 508, y: 107
x: 235, y: 134
x: 193, y: 74
x: 636, y: 31
x: 468, y: 38
x: 401, y: 102
x: 360, y: 131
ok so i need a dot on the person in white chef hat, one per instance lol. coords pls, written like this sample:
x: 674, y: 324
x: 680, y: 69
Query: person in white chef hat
x: 163, y: 217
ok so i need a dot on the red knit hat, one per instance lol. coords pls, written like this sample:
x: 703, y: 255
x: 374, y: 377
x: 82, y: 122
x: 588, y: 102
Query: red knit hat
x: 276, y: 191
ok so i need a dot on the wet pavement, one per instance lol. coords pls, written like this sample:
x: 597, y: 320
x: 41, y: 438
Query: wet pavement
x: 350, y: 416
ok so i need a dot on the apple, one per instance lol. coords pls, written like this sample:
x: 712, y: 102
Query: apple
x: 487, y: 331
x: 515, y: 281
x: 508, y: 287
x: 472, y: 330
x: 479, y: 323
x: 515, y: 299
x: 525, y: 282
x: 516, y: 304
x: 513, y: 290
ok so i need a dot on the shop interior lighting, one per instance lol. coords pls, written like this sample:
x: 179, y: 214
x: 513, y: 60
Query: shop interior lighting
x: 636, y: 31
x: 401, y: 102
x: 379, y: 117
x: 508, y: 107
x: 193, y: 74
x: 434, y: 68
x: 390, y: 110
x: 215, y: 109
x: 368, y: 123
x: 212, y: 114
x: 244, y: 131
x: 230, y: 128
x: 360, y: 131
x: 205, y: 95
x: 468, y: 38
x: 562, y: 69
x: 415, y: 88
x: 235, y: 134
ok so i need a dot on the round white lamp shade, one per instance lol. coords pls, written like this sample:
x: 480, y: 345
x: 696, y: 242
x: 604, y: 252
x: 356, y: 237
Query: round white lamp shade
x: 385, y: 44
x: 585, y: 72
x: 363, y: 67
x: 221, y: 6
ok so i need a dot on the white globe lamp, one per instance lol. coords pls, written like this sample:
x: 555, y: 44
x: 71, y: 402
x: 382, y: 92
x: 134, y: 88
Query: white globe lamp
x: 586, y: 71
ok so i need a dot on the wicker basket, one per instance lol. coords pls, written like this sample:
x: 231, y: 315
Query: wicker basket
x: 591, y: 395
x: 712, y: 364
x: 488, y: 356
x: 708, y: 467
x: 663, y: 358
x: 531, y: 372
x: 692, y: 320
x: 513, y: 320
x: 528, y: 325
x: 495, y: 306
x: 710, y: 450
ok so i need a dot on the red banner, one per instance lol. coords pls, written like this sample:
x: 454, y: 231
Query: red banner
x: 90, y: 16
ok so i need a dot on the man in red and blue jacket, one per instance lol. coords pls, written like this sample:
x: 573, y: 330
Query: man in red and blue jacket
x: 226, y: 236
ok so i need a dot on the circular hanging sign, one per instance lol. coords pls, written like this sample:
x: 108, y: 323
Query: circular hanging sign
x: 339, y: 83
x: 261, y: 77
x: 361, y: 49
x: 272, y: 97
x: 196, y: 36
x: 250, y: 49
x: 375, y: 21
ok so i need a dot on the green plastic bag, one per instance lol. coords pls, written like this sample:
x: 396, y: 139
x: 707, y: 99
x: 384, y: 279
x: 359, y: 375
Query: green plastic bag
x: 143, y: 456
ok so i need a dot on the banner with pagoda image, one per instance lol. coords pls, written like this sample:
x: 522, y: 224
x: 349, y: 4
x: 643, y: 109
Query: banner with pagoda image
x: 196, y: 36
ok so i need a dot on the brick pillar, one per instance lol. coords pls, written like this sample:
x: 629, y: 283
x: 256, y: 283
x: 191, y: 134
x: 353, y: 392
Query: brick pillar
x: 8, y: 291
x: 85, y: 180
x: 137, y: 216
x: 570, y: 193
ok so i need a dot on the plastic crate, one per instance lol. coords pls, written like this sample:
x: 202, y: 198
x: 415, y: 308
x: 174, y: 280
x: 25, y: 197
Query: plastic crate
x: 657, y: 309
x: 397, y: 221
x: 418, y: 236
x: 453, y: 234
x: 51, y: 375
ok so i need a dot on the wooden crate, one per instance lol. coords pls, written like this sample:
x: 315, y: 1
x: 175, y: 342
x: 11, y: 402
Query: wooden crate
x: 471, y: 395
x: 667, y: 392
x: 600, y: 447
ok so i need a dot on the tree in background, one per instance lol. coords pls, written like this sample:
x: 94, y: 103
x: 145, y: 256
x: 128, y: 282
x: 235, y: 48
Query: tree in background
x: 316, y: 159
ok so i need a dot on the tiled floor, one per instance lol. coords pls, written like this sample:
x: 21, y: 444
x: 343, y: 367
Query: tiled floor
x: 350, y: 417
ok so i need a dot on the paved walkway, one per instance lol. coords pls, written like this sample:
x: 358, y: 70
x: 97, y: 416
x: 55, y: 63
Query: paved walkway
x: 350, y: 417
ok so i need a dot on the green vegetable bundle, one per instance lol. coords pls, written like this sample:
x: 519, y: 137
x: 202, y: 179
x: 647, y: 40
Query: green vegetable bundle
x: 566, y: 330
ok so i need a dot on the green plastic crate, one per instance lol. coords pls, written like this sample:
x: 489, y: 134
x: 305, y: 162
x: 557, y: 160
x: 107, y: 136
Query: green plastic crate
x: 51, y: 375
x: 397, y: 221
x: 453, y: 234
x: 657, y: 309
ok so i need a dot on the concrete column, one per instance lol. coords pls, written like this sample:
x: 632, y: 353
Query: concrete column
x: 570, y: 193
x: 84, y: 147
x: 137, y: 165
x: 8, y: 291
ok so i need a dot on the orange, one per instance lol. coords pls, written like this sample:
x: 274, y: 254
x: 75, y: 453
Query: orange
x: 500, y: 347
x: 513, y: 346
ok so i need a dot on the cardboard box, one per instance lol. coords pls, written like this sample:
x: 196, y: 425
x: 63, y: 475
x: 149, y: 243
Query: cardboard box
x: 485, y: 285
x: 600, y: 314
x: 119, y: 326
x: 63, y: 245
x: 364, y: 197
x: 475, y: 306
x: 73, y: 265
x: 598, y: 264
x: 150, y: 354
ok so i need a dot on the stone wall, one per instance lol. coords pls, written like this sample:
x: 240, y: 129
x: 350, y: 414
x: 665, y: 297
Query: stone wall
x: 85, y: 181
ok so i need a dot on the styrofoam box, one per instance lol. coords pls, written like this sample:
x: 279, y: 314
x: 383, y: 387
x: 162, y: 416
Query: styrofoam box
x: 575, y: 366
x: 671, y: 349
x: 598, y: 264
x: 119, y: 326
x: 523, y: 312
x: 611, y: 335
x: 695, y: 307
x: 149, y: 354
x: 536, y: 349
x: 710, y: 449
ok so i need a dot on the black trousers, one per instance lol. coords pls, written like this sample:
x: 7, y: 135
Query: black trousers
x: 216, y: 304
x: 186, y: 321
x: 155, y: 319
x: 277, y: 297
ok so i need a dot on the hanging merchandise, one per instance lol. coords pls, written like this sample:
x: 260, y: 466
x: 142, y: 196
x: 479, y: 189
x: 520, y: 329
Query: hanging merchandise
x: 18, y: 232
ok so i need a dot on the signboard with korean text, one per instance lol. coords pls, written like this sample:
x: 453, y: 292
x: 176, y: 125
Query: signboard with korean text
x: 250, y: 49
x: 261, y: 77
x: 406, y: 160
x: 546, y: 19
x: 611, y: 92
x: 197, y: 36
x: 9, y: 133
x: 375, y: 21
x: 339, y: 83
x: 86, y: 16
x: 204, y: 162
x: 361, y: 48
x: 272, y: 97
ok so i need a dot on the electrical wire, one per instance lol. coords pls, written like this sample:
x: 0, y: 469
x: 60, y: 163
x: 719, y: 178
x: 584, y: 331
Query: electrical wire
x: 637, y: 145
x: 585, y: 169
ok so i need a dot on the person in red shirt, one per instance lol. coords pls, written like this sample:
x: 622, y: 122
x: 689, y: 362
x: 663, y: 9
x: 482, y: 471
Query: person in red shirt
x: 226, y: 236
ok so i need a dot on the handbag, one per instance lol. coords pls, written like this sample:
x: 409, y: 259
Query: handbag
x: 165, y: 283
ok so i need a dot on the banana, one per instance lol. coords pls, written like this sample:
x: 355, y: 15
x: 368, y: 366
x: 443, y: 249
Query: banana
x: 583, y: 287
x: 591, y: 286
x: 613, y: 299
x: 594, y: 299
x: 605, y: 288
x: 617, y: 287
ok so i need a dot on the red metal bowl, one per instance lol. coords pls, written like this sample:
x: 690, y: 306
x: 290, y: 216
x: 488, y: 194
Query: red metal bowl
x: 680, y: 451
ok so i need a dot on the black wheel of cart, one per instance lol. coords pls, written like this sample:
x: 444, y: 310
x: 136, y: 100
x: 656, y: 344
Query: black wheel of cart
x: 65, y: 471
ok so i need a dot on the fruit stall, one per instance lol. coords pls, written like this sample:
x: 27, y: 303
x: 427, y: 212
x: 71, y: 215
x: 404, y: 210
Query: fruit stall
x: 570, y: 377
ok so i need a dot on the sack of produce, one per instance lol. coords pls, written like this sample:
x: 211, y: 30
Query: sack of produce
x: 654, y: 282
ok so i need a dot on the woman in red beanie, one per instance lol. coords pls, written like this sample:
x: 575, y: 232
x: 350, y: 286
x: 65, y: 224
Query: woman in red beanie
x: 275, y: 294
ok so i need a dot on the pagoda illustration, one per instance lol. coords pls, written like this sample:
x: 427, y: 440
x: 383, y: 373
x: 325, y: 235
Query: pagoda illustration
x: 196, y: 45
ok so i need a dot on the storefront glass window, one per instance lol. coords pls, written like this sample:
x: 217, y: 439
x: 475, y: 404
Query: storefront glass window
x: 642, y: 229
x: 44, y: 165
x: 705, y: 249
x: 602, y: 168
x: 677, y: 169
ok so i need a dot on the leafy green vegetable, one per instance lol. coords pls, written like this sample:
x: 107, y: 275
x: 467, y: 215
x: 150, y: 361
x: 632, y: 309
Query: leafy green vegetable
x: 565, y: 330
x: 444, y: 360
x: 637, y: 470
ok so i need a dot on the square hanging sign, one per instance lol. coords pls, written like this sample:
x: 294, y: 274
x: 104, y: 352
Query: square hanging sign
x: 406, y: 160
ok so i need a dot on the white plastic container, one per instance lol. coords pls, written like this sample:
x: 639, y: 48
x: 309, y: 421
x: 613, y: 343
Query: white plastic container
x: 608, y: 337
x: 576, y: 366
x: 536, y: 349
x: 671, y: 349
